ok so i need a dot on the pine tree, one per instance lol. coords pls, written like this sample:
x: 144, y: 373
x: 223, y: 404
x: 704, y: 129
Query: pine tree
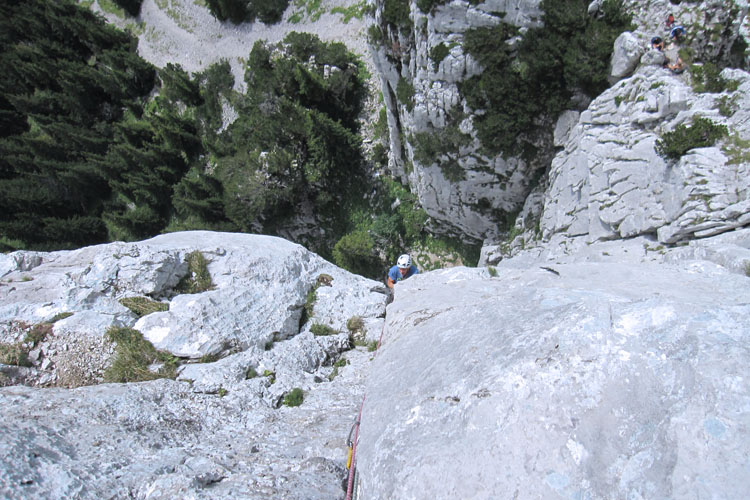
x: 67, y: 78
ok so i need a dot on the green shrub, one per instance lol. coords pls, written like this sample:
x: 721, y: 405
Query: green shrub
x: 405, y: 93
x: 222, y: 392
x: 250, y: 373
x: 355, y: 324
x: 142, y: 306
x: 134, y: 355
x: 375, y: 35
x: 60, y: 316
x: 702, y: 133
x: 338, y: 364
x: 372, y: 346
x: 321, y: 330
x: 442, y: 147
x: 396, y: 13
x: 426, y: 6
x: 209, y: 358
x: 271, y: 375
x: 197, y: 279
x: 37, y: 333
x: 492, y: 271
x: 519, y: 85
x: 14, y: 354
x: 357, y: 11
x: 728, y: 106
x: 355, y: 252
x: 707, y: 78
x: 381, y: 126
x: 438, y: 53
x: 242, y: 11
x: 294, y: 397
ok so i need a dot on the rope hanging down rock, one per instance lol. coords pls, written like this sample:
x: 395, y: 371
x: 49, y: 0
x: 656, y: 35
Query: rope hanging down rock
x: 351, y: 461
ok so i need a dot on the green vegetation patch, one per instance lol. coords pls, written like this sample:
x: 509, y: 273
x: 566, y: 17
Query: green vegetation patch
x: 270, y: 375
x: 737, y: 150
x: 197, y: 279
x: 355, y: 324
x: 536, y: 77
x: 134, y: 355
x: 338, y: 364
x: 37, y: 333
x: 707, y: 78
x: 60, y: 316
x: 14, y: 354
x: 443, y: 146
x: 321, y: 330
x: 426, y: 6
x: 356, y: 252
x: 132, y: 7
x: 728, y: 105
x: 17, y: 353
x: 142, y: 306
x: 700, y: 134
x: 405, y: 93
x: 396, y: 14
x: 247, y: 11
x: 310, y: 10
x: 295, y: 397
x: 438, y: 53
x: 356, y: 11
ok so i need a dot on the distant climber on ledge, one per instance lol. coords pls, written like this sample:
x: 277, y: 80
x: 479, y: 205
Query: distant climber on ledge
x: 402, y: 270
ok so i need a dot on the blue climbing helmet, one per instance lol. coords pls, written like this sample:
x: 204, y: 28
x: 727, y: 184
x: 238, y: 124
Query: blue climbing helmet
x: 677, y: 32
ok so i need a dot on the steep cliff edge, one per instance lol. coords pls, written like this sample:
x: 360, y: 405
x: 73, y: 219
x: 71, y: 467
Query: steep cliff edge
x: 424, y: 56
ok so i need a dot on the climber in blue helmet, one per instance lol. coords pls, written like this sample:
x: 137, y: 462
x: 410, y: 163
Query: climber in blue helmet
x: 402, y: 270
x: 677, y: 33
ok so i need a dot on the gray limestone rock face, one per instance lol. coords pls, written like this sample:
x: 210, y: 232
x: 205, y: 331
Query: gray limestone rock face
x: 260, y: 288
x: 489, y: 184
x: 627, y: 53
x: 562, y: 379
x: 165, y: 440
x: 224, y: 429
x: 609, y: 182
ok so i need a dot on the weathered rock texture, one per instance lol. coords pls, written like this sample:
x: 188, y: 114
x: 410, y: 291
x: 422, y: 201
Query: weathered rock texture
x: 611, y: 183
x: 491, y: 183
x: 220, y: 430
x: 260, y: 288
x: 622, y: 378
x: 474, y: 208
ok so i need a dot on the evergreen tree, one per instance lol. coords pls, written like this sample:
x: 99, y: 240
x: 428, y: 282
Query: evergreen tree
x: 67, y: 77
x: 132, y: 7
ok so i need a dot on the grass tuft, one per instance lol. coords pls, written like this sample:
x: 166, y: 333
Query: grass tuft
x: 198, y: 279
x: 321, y: 330
x: 294, y: 397
x: 141, y: 306
x: 134, y: 356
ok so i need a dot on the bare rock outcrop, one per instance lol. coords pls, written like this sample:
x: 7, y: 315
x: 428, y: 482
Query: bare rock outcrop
x: 617, y: 377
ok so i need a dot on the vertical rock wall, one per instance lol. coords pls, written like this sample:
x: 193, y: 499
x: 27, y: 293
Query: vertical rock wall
x: 490, y: 186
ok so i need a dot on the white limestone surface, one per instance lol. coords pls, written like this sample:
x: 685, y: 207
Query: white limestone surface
x: 596, y: 380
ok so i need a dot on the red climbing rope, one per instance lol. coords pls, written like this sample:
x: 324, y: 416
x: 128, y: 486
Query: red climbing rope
x: 352, y: 443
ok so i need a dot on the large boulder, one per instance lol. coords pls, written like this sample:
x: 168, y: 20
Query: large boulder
x: 562, y: 378
x: 260, y: 288
x: 626, y: 55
